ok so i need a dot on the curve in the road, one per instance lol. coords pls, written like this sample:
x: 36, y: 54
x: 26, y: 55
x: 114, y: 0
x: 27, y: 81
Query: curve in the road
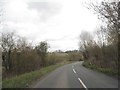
x: 76, y: 76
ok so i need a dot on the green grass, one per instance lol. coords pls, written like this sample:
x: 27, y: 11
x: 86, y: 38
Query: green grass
x: 26, y: 79
x: 108, y: 71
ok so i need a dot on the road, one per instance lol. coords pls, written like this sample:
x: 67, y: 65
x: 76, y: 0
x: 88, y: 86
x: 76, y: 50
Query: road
x: 76, y: 76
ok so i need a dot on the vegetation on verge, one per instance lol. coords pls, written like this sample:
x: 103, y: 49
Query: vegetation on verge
x: 23, y: 63
x: 19, y: 56
x: 101, y: 50
x: 108, y: 71
x: 26, y: 79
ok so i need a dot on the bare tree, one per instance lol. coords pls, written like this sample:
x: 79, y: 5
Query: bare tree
x: 7, y: 43
x: 108, y: 12
x: 85, y: 39
x: 21, y: 43
x: 102, y: 35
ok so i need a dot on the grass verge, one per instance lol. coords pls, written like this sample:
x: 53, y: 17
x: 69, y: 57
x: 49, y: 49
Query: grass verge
x: 26, y: 79
x: 108, y: 71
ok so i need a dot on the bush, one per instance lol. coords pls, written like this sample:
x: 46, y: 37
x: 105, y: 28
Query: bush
x: 54, y: 58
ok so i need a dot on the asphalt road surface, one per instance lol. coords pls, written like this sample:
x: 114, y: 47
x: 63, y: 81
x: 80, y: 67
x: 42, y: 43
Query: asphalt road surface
x: 76, y: 76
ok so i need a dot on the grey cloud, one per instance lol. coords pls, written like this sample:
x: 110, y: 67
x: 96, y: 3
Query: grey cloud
x: 47, y: 9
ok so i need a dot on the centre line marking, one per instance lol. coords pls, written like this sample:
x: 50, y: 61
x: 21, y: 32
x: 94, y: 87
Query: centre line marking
x: 74, y: 71
x: 82, y: 83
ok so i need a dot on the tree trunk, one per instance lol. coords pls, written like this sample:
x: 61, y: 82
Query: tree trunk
x: 9, y: 60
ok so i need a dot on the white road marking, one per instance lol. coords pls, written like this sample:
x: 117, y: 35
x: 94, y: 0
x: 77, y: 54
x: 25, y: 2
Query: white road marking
x: 82, y: 83
x: 79, y: 78
x: 74, y: 71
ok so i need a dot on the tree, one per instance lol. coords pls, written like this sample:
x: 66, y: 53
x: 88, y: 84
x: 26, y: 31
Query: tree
x: 85, y: 40
x: 7, y: 44
x: 101, y: 36
x: 42, y: 51
x: 22, y: 43
x: 108, y: 12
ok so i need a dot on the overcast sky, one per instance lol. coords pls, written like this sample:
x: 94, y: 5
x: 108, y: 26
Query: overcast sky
x: 59, y: 22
